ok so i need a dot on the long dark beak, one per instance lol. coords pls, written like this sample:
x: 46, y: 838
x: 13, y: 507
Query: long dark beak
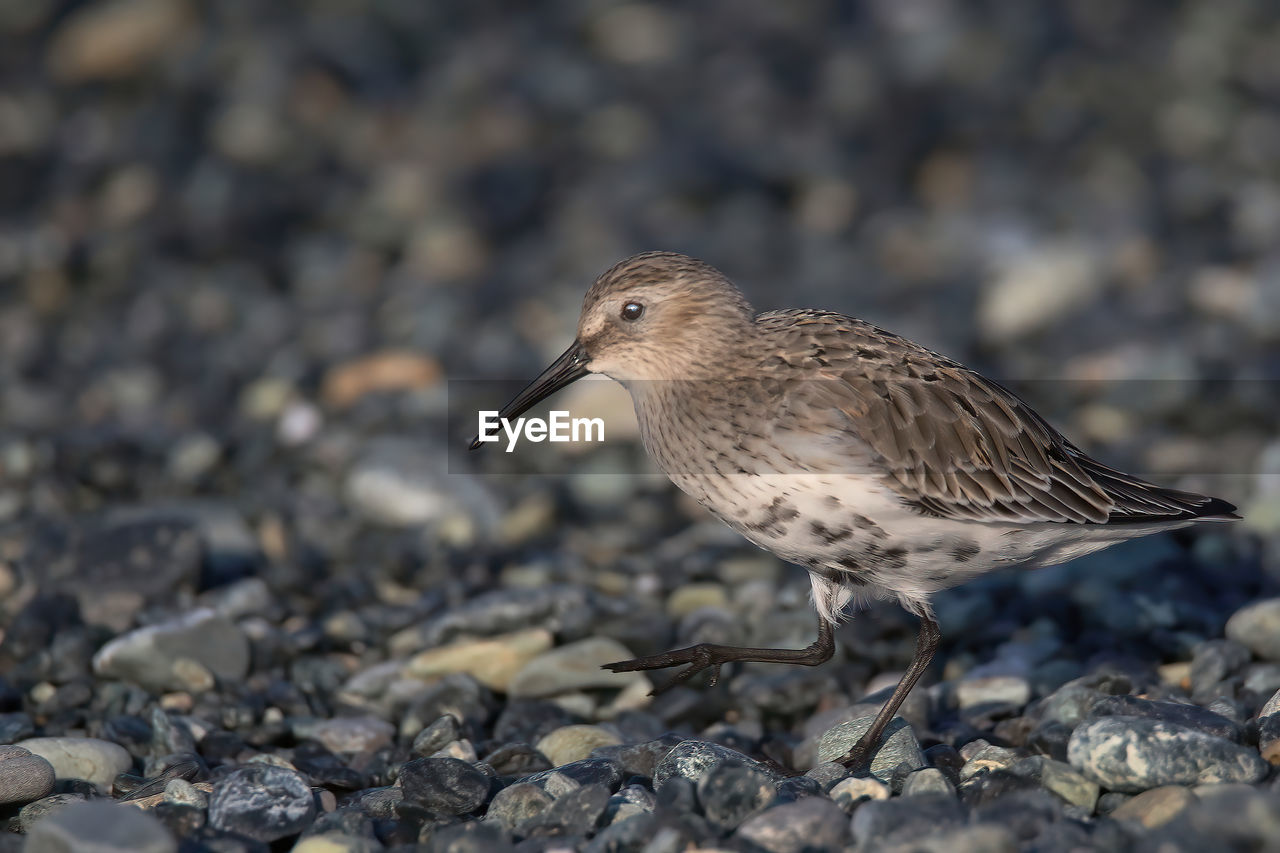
x: 565, y: 370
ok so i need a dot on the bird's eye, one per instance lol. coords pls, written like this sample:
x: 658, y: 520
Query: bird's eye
x: 632, y: 311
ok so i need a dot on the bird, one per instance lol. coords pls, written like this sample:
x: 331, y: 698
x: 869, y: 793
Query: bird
x: 884, y: 469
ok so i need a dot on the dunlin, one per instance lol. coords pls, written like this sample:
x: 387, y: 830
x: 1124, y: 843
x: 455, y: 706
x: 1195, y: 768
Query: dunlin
x: 883, y: 468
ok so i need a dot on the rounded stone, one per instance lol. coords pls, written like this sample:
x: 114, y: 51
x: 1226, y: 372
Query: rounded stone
x: 898, y: 744
x: 24, y: 777
x: 1155, y: 807
x: 444, y: 786
x: 814, y: 823
x: 515, y: 804
x: 1132, y: 754
x: 576, y: 666
x: 574, y: 743
x: 97, y: 826
x: 693, y: 759
x: 1257, y: 628
x: 90, y: 759
x: 263, y: 802
x: 349, y: 734
x: 160, y: 657
x: 493, y: 661
x: 730, y: 793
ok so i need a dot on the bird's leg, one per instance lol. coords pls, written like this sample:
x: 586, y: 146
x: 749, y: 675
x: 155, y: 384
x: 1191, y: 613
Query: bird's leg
x: 705, y: 655
x: 926, y: 645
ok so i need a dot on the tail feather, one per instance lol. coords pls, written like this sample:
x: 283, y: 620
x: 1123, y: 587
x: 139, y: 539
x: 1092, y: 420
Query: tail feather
x: 1139, y: 501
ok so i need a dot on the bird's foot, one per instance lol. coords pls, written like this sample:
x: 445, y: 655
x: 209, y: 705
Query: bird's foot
x: 859, y: 755
x: 698, y: 658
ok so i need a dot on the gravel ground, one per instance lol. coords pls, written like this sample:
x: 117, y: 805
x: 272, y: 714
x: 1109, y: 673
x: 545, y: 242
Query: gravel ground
x: 257, y: 262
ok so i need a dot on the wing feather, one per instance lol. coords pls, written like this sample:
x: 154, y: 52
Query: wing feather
x: 951, y: 442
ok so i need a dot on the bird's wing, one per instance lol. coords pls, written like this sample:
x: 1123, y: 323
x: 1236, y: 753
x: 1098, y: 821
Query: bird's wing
x: 949, y: 441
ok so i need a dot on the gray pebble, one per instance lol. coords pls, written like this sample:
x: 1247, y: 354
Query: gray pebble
x: 927, y: 780
x: 1212, y: 661
x: 444, y: 786
x: 903, y: 820
x: 570, y: 777
x: 730, y: 793
x: 574, y: 814
x: 813, y: 823
x: 470, y: 837
x: 32, y: 813
x: 576, y: 666
x: 1257, y: 628
x: 183, y: 793
x: 1190, y: 716
x: 1061, y: 779
x: 898, y: 746
x: 100, y: 827
x: 436, y: 736
x: 23, y: 777
x: 693, y: 759
x: 1134, y: 754
x: 159, y: 657
x: 517, y: 803
x: 16, y: 726
x: 828, y: 773
x: 263, y: 802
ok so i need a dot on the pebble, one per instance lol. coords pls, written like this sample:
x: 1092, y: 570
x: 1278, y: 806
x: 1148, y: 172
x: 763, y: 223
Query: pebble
x: 576, y: 666
x: 687, y: 598
x: 346, y: 383
x: 693, y: 759
x: 813, y: 823
x: 1133, y: 754
x: 155, y: 657
x: 898, y: 746
x: 555, y: 607
x: 1060, y: 778
x: 32, y: 813
x: 444, y: 786
x: 573, y: 743
x: 335, y: 842
x: 348, y: 735
x: 574, y: 814
x: 993, y: 689
x: 180, y: 792
x: 90, y: 759
x: 494, y: 661
x: 1212, y: 662
x: 100, y: 827
x: 986, y: 758
x: 262, y: 802
x: 571, y: 777
x: 16, y: 726
x: 1155, y: 806
x: 24, y: 777
x: 731, y: 793
x: 436, y: 736
x: 852, y: 792
x: 1257, y: 627
x: 925, y: 781
x: 1191, y: 716
x: 516, y: 803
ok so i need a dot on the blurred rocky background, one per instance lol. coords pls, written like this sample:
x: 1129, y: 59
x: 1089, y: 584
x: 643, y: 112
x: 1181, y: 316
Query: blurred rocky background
x: 254, y: 254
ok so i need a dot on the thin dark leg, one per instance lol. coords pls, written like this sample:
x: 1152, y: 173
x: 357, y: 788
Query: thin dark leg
x: 926, y: 645
x: 705, y: 655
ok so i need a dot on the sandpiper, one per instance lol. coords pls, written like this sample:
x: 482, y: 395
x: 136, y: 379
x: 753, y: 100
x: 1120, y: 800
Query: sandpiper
x: 883, y: 468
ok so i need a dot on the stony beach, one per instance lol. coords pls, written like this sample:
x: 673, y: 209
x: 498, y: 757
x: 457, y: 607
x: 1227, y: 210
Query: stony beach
x: 258, y: 266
